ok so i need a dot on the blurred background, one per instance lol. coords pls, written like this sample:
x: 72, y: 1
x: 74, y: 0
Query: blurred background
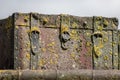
x: 107, y: 8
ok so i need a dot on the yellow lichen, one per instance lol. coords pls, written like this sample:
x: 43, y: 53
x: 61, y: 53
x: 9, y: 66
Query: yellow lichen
x: 28, y: 55
x: 100, y: 45
x: 42, y: 62
x: 97, y: 51
x: 106, y: 57
x: 34, y: 29
x: 51, y: 44
x: 16, y: 27
x: 74, y: 25
x: 64, y: 28
x: 55, y: 62
x: 105, y: 22
x: 26, y: 17
x: 100, y: 28
x: 75, y: 46
x: 51, y: 61
x: 56, y: 55
x: 88, y: 34
x: 111, y: 52
x: 28, y: 44
x: 73, y: 32
x: 73, y: 55
x: 74, y: 35
x: 105, y: 39
x: 88, y: 44
x: 43, y: 49
x: 45, y: 19
x: 89, y: 52
x: 97, y: 22
x: 113, y: 25
x: 51, y: 50
x: 98, y: 32
x: 113, y: 43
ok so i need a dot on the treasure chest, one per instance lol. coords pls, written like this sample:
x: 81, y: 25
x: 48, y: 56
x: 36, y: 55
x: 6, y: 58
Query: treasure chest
x: 58, y: 42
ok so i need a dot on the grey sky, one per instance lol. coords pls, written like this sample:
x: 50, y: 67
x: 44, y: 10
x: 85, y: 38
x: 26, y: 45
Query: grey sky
x: 110, y: 8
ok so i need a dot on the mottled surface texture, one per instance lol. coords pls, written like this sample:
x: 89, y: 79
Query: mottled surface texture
x: 60, y: 75
x: 58, y: 42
